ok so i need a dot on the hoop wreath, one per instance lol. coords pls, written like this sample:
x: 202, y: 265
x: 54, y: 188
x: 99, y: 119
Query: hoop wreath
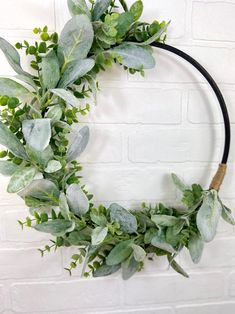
x: 41, y: 148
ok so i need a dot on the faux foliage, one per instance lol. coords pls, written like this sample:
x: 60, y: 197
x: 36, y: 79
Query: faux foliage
x: 41, y: 147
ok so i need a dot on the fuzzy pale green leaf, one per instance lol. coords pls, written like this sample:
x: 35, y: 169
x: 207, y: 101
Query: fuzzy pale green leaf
x: 64, y: 207
x: 105, y: 270
x: 208, y: 216
x: 11, y: 142
x: 159, y: 241
x: 56, y: 227
x: 78, y: 143
x: 41, y: 158
x: 77, y: 7
x: 37, y: 133
x: 99, y: 9
x: 138, y: 253
x: 77, y: 199
x: 119, y: 253
x: 54, y: 113
x: 129, y: 267
x: 226, y: 215
x: 50, y: 70
x: 8, y: 168
x: 12, y: 88
x: 126, y: 220
x: 98, y: 235
x: 53, y: 166
x: 178, y: 182
x: 67, y: 96
x: 21, y: 178
x: 195, y: 246
x: 164, y: 220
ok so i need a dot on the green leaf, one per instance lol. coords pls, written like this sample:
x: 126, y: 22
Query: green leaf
x: 20, y: 179
x: 134, y: 57
x: 8, y: 168
x: 50, y: 70
x: 53, y: 166
x: 12, y: 89
x: 37, y: 133
x: 119, y: 253
x: 105, y: 270
x: 137, y: 9
x: 179, y: 183
x: 75, y: 40
x: 98, y: 235
x: 27, y: 80
x: 64, y: 207
x: 79, y: 238
x: 78, y: 143
x: 11, y: 142
x: 56, y: 227
x: 155, y: 37
x: 159, y: 241
x: 129, y: 267
x: 35, y: 203
x: 42, y: 189
x: 195, y: 246
x: 77, y: 199
x: 77, y: 7
x: 138, y: 253
x: 13, y: 57
x: 164, y: 220
x: 226, y: 215
x: 98, y: 218
x: 41, y: 158
x: 75, y: 70
x: 54, y: 113
x: 127, y: 221
x: 177, y: 267
x: 67, y: 96
x: 208, y: 216
x: 99, y: 9
x: 124, y: 23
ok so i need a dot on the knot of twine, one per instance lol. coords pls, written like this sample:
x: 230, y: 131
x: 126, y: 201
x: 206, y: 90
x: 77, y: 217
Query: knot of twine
x: 219, y: 177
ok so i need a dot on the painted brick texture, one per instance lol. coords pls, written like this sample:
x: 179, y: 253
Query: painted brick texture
x: 142, y: 129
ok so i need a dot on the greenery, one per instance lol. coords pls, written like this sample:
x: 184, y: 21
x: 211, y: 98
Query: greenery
x: 41, y: 147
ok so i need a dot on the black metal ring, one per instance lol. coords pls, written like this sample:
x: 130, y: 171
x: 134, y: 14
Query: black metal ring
x: 215, y: 88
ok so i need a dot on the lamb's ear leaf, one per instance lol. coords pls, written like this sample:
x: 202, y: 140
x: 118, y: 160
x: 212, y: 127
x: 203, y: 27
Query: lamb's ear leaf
x: 67, y: 96
x: 40, y: 157
x: 56, y: 227
x: 27, y: 80
x: 129, y: 267
x: 75, y: 46
x: 77, y: 7
x: 50, y: 70
x: 21, y: 179
x: 77, y: 199
x: 208, y: 216
x: 105, y: 270
x: 226, y: 215
x: 54, y: 113
x: 11, y: 142
x: 119, y: 253
x: 176, y: 266
x: 12, y: 88
x: 195, y: 246
x: 78, y: 143
x: 13, y: 57
x: 134, y: 57
x: 98, y: 235
x: 75, y: 70
x: 37, y: 133
x: 123, y: 217
x: 99, y: 9
x: 8, y: 168
x: 53, y: 166
x: 64, y: 207
x: 42, y: 189
x: 178, y: 182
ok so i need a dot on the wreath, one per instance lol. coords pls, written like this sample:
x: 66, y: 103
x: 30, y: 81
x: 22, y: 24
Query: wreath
x: 41, y: 147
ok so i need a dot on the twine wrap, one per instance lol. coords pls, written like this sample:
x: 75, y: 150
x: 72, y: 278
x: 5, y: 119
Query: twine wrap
x: 219, y: 177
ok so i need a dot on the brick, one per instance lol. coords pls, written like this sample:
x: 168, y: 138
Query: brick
x: 170, y: 68
x: 203, y: 106
x: 215, y: 308
x: 121, y: 183
x: 217, y: 254
x: 205, y: 17
x: 137, y: 105
x: 15, y: 15
x: 12, y: 232
x: 173, y: 288
x: 105, y: 145
x: 26, y: 263
x: 173, y: 144
x: 166, y: 11
x: 141, y: 311
x: 70, y: 295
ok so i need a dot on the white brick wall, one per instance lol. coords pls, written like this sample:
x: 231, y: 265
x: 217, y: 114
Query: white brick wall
x: 141, y: 130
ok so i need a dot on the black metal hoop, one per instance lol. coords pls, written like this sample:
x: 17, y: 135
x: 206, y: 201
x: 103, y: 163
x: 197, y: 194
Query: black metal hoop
x: 215, y: 88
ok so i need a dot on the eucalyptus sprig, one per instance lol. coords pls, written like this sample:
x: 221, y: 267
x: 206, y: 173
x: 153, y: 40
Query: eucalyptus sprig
x: 42, y: 146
